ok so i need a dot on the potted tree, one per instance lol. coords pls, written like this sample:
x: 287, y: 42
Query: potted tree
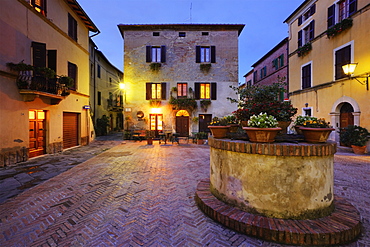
x: 262, y: 128
x: 219, y: 127
x: 316, y: 130
x: 355, y: 137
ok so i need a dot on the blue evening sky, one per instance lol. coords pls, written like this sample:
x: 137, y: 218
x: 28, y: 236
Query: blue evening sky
x: 263, y: 19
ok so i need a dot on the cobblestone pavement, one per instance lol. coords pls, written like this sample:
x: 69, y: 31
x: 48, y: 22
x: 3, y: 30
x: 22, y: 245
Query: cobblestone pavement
x: 138, y: 195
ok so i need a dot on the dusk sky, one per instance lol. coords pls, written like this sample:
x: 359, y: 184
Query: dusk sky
x: 263, y: 19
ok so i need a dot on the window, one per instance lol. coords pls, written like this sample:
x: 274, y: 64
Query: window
x: 156, y: 91
x: 340, y: 11
x: 249, y: 84
x: 263, y: 72
x: 205, y: 33
x: 342, y: 57
x: 155, y: 33
x: 182, y: 34
x: 99, y: 98
x: 306, y: 76
x: 278, y: 62
x: 307, y: 14
x: 205, y: 54
x: 182, y: 90
x: 306, y: 34
x: 42, y: 57
x: 72, y: 27
x: 156, y: 54
x: 39, y: 6
x: 255, y: 76
x: 99, y: 71
x: 72, y: 72
x: 205, y: 90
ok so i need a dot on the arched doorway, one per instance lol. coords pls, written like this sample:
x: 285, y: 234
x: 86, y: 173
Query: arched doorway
x: 182, y: 123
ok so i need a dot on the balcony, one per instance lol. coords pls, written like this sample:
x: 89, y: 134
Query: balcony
x: 32, y: 87
x: 114, y: 105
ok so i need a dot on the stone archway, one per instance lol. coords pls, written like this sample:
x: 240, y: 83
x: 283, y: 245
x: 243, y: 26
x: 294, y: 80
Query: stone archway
x: 336, y: 114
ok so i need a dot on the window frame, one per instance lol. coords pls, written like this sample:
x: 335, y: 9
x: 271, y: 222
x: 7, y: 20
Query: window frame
x: 73, y: 73
x: 159, y: 49
x: 213, y: 91
x: 339, y: 67
x: 160, y: 93
x: 304, y: 84
x: 182, y: 90
x: 201, y: 54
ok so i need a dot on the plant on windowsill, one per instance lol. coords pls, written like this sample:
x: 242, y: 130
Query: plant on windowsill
x: 155, y: 103
x: 204, y: 104
x: 155, y: 66
x: 183, y: 104
x: 303, y: 50
x: 339, y: 27
x: 205, y: 67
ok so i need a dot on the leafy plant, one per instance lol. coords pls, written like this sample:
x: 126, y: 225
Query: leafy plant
x: 303, y: 50
x: 231, y: 119
x: 205, y: 67
x: 262, y: 120
x: 219, y: 121
x: 316, y: 123
x: 339, y: 27
x: 155, y: 66
x: 265, y: 98
x: 201, y: 135
x: 183, y: 103
x: 204, y: 104
x: 66, y: 80
x: 301, y: 119
x: 20, y: 66
x: 354, y: 135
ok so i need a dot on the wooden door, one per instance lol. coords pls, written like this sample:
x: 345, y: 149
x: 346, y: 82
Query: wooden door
x: 346, y: 117
x: 182, y: 125
x: 204, y: 121
x: 70, y: 129
x: 36, y: 133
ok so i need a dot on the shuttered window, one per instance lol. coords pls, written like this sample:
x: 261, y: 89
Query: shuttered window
x: 182, y: 90
x: 39, y: 54
x: 72, y: 27
x: 205, y: 54
x: 156, y: 91
x: 156, y: 54
x: 52, y: 60
x: 342, y: 57
x: 72, y: 72
x: 205, y: 90
x: 331, y: 16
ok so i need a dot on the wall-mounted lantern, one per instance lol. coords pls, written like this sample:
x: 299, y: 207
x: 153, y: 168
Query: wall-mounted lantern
x: 349, y: 69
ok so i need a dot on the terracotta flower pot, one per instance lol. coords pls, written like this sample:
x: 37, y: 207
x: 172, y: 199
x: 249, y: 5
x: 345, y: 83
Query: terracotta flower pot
x: 283, y: 125
x: 316, y: 135
x: 233, y: 128
x: 261, y: 134
x: 296, y: 128
x: 219, y: 131
x: 358, y: 149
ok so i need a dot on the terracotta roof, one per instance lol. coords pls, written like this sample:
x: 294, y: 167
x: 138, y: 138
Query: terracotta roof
x: 182, y: 27
x: 83, y: 16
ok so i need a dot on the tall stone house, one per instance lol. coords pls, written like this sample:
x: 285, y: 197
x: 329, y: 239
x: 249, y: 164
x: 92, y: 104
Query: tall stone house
x: 40, y: 113
x: 106, y: 96
x: 324, y: 35
x: 177, y: 76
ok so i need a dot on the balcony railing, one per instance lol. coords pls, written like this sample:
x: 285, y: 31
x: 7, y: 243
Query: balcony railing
x: 114, y: 105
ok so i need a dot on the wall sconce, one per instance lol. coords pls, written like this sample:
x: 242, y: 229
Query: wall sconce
x: 349, y: 69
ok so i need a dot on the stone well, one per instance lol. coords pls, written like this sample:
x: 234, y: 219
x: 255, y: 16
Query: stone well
x: 277, y: 180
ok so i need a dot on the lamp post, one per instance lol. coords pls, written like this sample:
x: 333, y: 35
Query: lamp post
x: 349, y: 69
x: 122, y: 88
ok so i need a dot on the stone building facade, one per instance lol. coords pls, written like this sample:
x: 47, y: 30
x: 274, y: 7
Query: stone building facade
x: 177, y: 76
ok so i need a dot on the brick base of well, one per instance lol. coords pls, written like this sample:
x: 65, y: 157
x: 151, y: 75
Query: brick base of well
x: 342, y: 226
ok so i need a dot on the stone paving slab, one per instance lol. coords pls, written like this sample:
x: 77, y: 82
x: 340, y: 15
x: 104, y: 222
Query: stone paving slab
x: 139, y: 195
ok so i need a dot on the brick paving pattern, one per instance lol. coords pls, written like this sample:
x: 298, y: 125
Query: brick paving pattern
x: 139, y: 195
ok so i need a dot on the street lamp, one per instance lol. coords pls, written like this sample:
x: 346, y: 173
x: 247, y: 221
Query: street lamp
x: 349, y: 69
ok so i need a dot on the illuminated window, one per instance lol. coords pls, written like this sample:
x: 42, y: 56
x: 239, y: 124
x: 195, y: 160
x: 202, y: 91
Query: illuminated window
x: 39, y: 6
x: 205, y: 91
x: 156, y: 91
x: 156, y: 122
x: 182, y: 90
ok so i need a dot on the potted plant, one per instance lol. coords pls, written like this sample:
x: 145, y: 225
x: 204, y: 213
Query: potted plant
x: 149, y: 135
x: 262, y: 128
x: 204, y: 104
x: 205, y: 67
x: 155, y: 66
x: 316, y: 130
x: 219, y: 127
x: 299, y: 121
x: 355, y: 137
x: 200, y: 137
x: 232, y: 122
